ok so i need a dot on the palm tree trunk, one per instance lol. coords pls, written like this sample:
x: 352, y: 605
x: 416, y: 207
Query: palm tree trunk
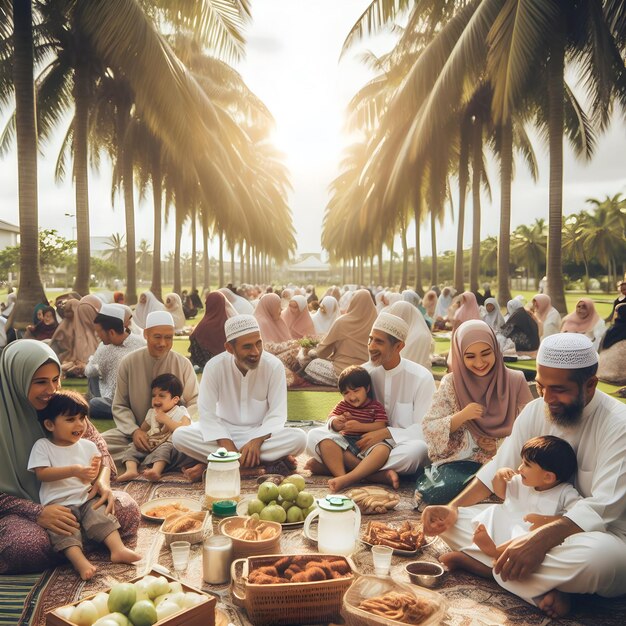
x: 459, y: 270
x: 405, y: 257
x: 380, y: 265
x: 242, y: 264
x: 157, y: 198
x: 417, y: 216
x: 434, y: 274
x: 31, y: 290
x: 81, y: 175
x: 220, y: 235
x: 206, y: 275
x: 177, y: 288
x: 343, y: 271
x: 556, y: 289
x: 504, y: 239
x: 390, y: 283
x: 372, y: 269
x: 477, y: 165
x: 233, y: 278
x: 194, y: 269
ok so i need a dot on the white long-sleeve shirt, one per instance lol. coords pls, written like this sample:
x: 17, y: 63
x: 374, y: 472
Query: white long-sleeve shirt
x: 240, y: 408
x: 599, y: 440
x: 406, y: 392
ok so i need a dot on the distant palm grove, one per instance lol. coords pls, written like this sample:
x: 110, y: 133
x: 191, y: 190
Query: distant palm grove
x: 148, y: 86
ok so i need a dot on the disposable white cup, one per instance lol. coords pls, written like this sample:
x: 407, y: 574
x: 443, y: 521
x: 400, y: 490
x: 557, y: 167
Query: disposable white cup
x: 381, y: 556
x: 180, y: 554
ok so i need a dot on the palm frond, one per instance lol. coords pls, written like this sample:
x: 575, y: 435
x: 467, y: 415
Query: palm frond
x: 578, y: 127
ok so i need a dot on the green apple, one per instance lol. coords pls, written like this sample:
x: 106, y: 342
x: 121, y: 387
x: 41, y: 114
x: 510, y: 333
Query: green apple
x: 274, y: 513
x: 296, y: 479
x: 306, y: 512
x: 255, y: 506
x: 288, y: 491
x: 305, y: 500
x: 286, y: 504
x: 294, y: 514
x: 268, y: 491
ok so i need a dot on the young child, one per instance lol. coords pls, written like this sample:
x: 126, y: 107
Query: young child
x: 45, y: 327
x: 358, y: 413
x: 165, y: 416
x: 539, y: 485
x: 67, y: 465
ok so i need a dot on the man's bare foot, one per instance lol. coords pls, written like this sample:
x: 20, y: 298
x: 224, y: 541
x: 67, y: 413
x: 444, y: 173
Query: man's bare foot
x: 485, y: 542
x: 384, y: 477
x: 124, y: 555
x: 127, y: 475
x: 291, y: 461
x: 336, y: 484
x: 314, y: 466
x: 152, y: 475
x: 257, y: 470
x: 555, y: 603
x: 460, y: 560
x: 194, y: 473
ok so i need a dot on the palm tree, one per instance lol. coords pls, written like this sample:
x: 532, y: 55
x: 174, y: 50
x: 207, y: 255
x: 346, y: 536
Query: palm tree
x: 574, y: 235
x: 528, y: 246
x: 117, y: 250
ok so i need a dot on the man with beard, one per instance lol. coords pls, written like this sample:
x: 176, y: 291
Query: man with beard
x: 242, y: 405
x: 585, y: 550
x: 405, y: 389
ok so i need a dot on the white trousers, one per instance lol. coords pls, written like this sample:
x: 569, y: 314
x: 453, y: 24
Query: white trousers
x: 188, y: 439
x: 405, y: 457
x: 593, y: 562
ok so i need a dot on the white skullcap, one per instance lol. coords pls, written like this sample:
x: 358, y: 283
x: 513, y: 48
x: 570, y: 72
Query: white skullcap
x: 392, y: 325
x: 113, y: 310
x: 240, y: 325
x: 567, y: 351
x: 159, y: 318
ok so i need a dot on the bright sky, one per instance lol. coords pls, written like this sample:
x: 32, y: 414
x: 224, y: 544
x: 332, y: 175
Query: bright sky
x: 293, y: 66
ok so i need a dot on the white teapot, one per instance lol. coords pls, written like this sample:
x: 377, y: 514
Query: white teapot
x: 339, y: 525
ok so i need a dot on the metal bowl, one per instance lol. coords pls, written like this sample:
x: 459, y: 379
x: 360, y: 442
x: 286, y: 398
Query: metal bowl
x: 425, y: 573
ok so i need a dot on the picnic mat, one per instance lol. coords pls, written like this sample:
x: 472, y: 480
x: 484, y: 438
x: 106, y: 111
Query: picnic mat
x: 471, y: 601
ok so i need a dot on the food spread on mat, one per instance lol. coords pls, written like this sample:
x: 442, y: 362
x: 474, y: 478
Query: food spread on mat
x: 252, y: 530
x: 372, y: 500
x: 399, y: 607
x: 188, y: 522
x: 300, y: 569
x: 163, y: 511
x: 285, y: 503
x: 407, y: 536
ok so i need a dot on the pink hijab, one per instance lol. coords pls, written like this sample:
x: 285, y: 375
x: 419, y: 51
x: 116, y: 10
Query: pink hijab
x: 468, y: 309
x: 85, y: 339
x: 299, y: 323
x: 544, y: 305
x: 430, y: 302
x: 574, y: 323
x: 498, y: 391
x: 268, y: 314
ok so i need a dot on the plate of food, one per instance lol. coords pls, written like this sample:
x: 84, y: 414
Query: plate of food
x: 157, y: 510
x: 406, y: 538
x: 373, y: 500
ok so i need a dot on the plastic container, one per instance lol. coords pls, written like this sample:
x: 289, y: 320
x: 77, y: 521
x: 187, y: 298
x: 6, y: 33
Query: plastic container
x: 222, y: 480
x: 224, y: 508
x: 339, y: 525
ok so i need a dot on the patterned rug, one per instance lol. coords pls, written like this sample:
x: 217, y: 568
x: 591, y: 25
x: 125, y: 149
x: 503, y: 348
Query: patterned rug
x: 471, y: 601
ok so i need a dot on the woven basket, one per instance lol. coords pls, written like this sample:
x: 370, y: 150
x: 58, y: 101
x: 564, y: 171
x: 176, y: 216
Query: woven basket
x: 367, y: 587
x: 288, y: 603
x: 193, y: 536
x: 243, y: 548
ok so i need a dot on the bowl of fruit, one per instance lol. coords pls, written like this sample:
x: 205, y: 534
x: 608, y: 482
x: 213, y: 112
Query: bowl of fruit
x: 287, y: 503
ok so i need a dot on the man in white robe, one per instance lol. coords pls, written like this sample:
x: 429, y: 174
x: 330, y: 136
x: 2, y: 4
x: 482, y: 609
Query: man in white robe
x: 585, y: 550
x: 242, y: 404
x: 405, y: 389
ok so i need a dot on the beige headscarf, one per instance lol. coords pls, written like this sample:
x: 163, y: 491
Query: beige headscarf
x: 267, y: 313
x: 498, y: 391
x: 419, y: 341
x: 174, y: 305
x: 574, y: 323
x: 298, y: 322
x: 85, y: 339
x: 543, y: 303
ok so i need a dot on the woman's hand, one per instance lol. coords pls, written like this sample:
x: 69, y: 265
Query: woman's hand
x: 437, y: 519
x: 369, y: 439
x: 58, y: 519
x: 473, y: 411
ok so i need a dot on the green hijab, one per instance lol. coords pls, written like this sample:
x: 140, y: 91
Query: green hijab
x: 19, y: 428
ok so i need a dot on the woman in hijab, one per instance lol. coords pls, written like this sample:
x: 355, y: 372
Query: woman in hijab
x: 285, y: 298
x: 586, y: 321
x: 521, y: 328
x: 29, y: 374
x: 38, y: 312
x: 379, y: 300
x: 511, y: 307
x: 468, y: 309
x: 7, y: 308
x: 147, y: 303
x: 419, y: 344
x: 298, y: 319
x: 45, y: 328
x: 208, y: 338
x: 346, y: 341
x: 324, y: 317
x: 612, y: 357
x: 410, y: 296
x: 335, y: 292
x: 272, y: 325
x: 85, y: 339
x: 444, y: 302
x: 430, y: 303
x: 492, y: 317
x: 241, y: 305
x: 174, y: 306
x: 473, y: 409
x: 546, y: 314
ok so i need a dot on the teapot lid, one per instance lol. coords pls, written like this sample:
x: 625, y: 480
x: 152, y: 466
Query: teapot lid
x: 222, y: 455
x: 335, y: 503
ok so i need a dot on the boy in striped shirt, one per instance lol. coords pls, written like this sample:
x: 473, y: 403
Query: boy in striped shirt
x: 356, y: 414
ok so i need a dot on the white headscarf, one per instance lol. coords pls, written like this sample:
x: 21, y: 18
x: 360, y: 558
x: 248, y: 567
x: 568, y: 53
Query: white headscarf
x: 408, y: 295
x: 323, y: 320
x: 143, y: 308
x: 493, y: 319
x: 242, y: 306
x: 419, y: 342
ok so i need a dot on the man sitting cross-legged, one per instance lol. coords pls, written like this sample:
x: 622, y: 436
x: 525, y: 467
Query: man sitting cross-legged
x: 242, y: 405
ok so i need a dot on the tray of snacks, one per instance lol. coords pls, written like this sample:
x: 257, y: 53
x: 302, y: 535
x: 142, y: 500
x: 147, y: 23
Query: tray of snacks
x: 406, y: 538
x: 189, y: 527
x: 374, y: 601
x: 251, y: 536
x: 373, y: 500
x: 291, y: 589
x: 151, y: 599
x: 158, y: 509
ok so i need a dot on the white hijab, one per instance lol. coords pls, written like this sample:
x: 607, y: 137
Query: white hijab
x: 241, y: 305
x: 323, y: 320
x: 143, y: 308
x: 419, y: 342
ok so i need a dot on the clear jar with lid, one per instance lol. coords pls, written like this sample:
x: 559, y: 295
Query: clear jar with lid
x: 222, y: 479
